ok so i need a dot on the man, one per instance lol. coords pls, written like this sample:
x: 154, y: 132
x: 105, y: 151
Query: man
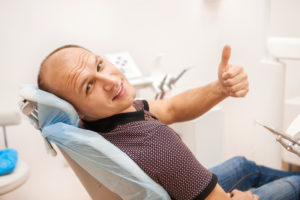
x: 104, y: 100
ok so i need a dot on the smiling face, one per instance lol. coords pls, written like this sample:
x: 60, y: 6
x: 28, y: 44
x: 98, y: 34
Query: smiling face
x: 93, y: 85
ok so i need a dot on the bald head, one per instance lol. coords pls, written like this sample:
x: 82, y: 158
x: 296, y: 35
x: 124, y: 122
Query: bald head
x: 56, y: 59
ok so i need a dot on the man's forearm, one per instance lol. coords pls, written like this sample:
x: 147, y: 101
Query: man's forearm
x: 195, y: 102
x: 232, y: 81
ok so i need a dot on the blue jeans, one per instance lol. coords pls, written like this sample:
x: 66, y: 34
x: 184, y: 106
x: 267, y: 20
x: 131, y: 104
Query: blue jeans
x: 269, y: 184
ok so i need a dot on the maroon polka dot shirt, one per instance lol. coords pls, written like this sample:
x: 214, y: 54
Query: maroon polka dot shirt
x: 158, y: 150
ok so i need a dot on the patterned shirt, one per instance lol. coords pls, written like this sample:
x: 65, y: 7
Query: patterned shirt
x: 158, y: 150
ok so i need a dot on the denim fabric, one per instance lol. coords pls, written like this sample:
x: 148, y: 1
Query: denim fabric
x: 269, y: 184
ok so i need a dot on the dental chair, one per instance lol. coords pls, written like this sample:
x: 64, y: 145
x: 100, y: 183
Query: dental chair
x: 104, y: 170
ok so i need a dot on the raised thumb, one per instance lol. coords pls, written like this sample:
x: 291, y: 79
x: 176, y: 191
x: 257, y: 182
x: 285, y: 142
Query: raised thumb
x: 225, y: 56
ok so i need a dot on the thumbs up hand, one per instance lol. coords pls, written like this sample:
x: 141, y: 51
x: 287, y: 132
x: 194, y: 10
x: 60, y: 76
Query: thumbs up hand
x: 233, y: 79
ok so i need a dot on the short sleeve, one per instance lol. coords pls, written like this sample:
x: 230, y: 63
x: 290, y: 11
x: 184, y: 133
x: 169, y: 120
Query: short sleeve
x: 174, y: 166
x: 141, y: 104
x: 146, y: 105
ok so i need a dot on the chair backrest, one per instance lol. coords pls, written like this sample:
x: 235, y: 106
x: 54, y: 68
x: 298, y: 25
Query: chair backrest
x: 95, y: 189
x: 105, y: 171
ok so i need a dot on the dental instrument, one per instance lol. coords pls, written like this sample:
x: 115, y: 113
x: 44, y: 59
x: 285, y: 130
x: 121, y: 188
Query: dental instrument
x: 167, y: 83
x: 289, y: 140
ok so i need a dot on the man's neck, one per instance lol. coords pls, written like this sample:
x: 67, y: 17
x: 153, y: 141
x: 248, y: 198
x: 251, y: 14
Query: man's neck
x: 130, y: 109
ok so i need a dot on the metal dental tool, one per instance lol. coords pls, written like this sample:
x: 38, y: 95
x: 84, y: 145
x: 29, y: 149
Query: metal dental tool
x: 161, y: 94
x: 291, y: 144
x: 173, y: 80
x: 170, y: 83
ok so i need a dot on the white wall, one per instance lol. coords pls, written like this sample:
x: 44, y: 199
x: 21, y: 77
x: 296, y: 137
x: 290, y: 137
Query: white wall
x: 285, y: 23
x: 188, y: 33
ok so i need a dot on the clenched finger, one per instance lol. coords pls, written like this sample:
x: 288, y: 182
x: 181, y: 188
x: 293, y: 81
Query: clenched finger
x: 239, y: 86
x: 235, y: 80
x: 232, y: 72
x: 241, y: 93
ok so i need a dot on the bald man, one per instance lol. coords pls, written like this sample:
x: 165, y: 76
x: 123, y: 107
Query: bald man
x: 105, y: 102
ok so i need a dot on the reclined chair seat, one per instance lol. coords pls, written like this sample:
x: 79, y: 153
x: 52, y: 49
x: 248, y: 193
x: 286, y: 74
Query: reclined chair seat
x: 104, y: 170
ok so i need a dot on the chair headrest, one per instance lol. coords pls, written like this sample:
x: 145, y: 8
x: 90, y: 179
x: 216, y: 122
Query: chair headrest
x: 49, y: 109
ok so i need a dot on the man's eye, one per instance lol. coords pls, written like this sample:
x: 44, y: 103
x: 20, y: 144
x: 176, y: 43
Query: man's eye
x: 99, y: 67
x: 88, y: 87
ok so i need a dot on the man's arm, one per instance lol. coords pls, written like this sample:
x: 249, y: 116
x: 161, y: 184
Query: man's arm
x: 187, y: 105
x: 233, y: 81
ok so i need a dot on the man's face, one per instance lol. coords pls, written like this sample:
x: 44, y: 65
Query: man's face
x: 93, y: 85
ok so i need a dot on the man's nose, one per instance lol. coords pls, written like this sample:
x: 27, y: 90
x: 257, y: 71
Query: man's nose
x: 108, y: 81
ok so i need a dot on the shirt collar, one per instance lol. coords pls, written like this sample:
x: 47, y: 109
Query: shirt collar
x: 107, y: 124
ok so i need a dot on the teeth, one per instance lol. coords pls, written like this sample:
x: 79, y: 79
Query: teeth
x: 118, y: 91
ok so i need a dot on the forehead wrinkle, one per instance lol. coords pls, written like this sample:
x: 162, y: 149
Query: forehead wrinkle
x: 81, y: 67
x: 70, y: 74
x: 84, y: 66
x: 76, y: 71
x: 77, y: 67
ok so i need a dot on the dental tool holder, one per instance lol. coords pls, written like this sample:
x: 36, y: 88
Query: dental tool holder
x: 8, y: 118
x: 159, y: 83
x: 166, y: 83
